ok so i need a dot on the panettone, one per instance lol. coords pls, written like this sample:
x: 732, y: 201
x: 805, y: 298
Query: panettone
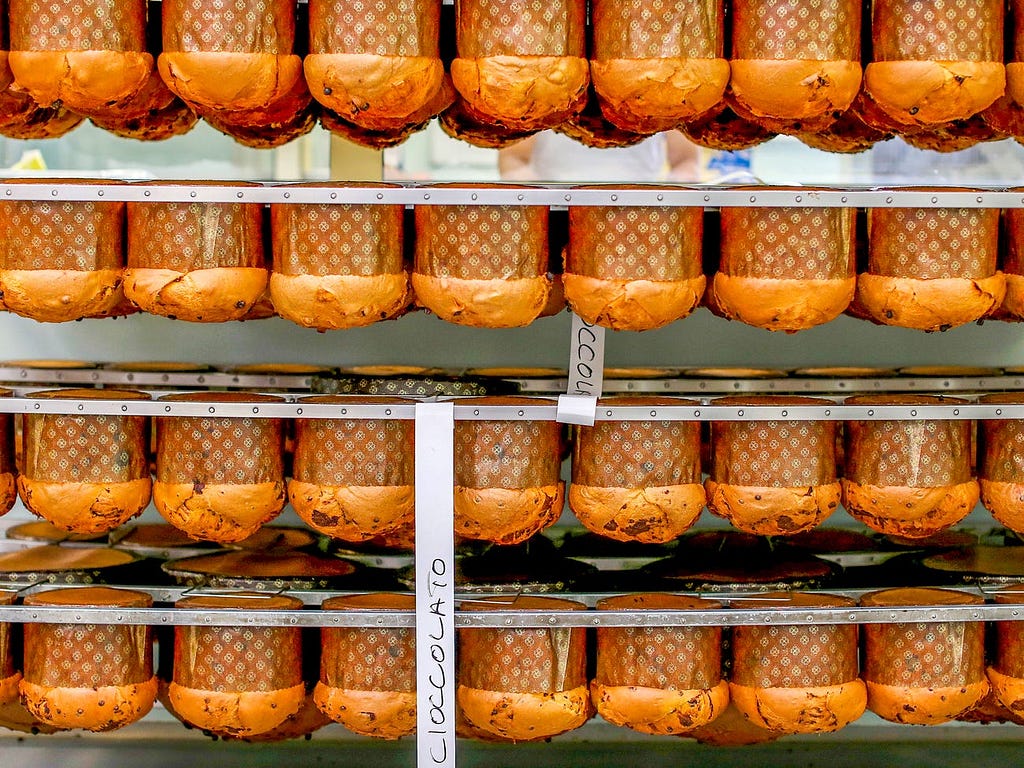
x: 923, y: 673
x: 93, y: 676
x: 523, y: 684
x: 659, y: 680
x: 910, y: 478
x: 1001, y: 463
x: 8, y: 466
x: 368, y: 674
x: 637, y: 480
x: 219, y: 478
x: 657, y: 64
x: 353, y: 479
x: 1006, y: 673
x: 86, y: 474
x: 634, y: 269
x: 338, y: 266
x: 773, y: 478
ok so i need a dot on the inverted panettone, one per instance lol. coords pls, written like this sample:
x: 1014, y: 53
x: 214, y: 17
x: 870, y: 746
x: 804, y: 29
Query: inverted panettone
x: 61, y: 260
x: 229, y: 54
x: 657, y: 64
x: 521, y: 63
x: 219, y: 478
x: 201, y: 262
x: 1013, y: 262
x: 637, y: 480
x: 86, y: 474
x: 375, y: 64
x: 368, y: 674
x: 795, y: 61
x: 923, y: 673
x: 338, y: 266
x: 785, y: 269
x: 153, y: 114
x: 632, y: 268
x: 1001, y: 463
x: 9, y: 674
x: 1005, y: 672
x: 286, y: 118
x: 659, y: 680
x: 931, y: 268
x: 773, y: 478
x: 237, y: 679
x: 93, y: 676
x: 482, y: 265
x: 353, y: 479
x: 523, y: 684
x: 507, y: 485
x: 90, y: 57
x: 797, y: 678
x: 8, y: 465
x: 935, y: 61
x: 910, y: 478
x: 726, y: 131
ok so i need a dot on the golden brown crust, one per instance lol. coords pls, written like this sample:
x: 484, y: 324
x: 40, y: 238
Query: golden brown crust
x: 1015, y: 81
x: 353, y: 513
x: 924, y: 93
x: 923, y: 706
x: 229, y: 80
x: 652, y: 515
x: 105, y: 708
x: 60, y: 295
x: 213, y: 295
x: 781, y: 305
x: 1005, y: 501
x: 8, y: 492
x: 365, y: 88
x: 506, y: 516
x: 1013, y: 300
x: 495, y: 303
x: 1008, y: 690
x: 928, y: 305
x: 657, y: 711
x: 223, y: 513
x: 651, y: 95
x: 9, y: 689
x: 242, y: 713
x: 772, y: 511
x: 794, y: 89
x: 632, y: 305
x: 525, y: 716
x: 821, y: 709
x: 914, y: 513
x: 523, y: 92
x: 732, y: 729
x: 331, y: 302
x: 85, y: 82
x: 85, y: 507
x: 380, y: 714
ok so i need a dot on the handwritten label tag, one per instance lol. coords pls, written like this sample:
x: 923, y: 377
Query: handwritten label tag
x: 586, y: 374
x: 435, y: 584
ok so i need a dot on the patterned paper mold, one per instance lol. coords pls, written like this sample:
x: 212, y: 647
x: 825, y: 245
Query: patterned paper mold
x: 659, y: 680
x: 935, y: 60
x: 1006, y: 672
x: 353, y: 479
x: 657, y: 63
x: 785, y: 269
x: 338, y: 266
x: 1001, y: 463
x: 61, y: 261
x: 795, y: 62
x: 924, y: 673
x: 908, y: 478
x: 482, y: 265
x: 521, y: 63
x: 523, y: 684
x: 239, y: 680
x: 773, y: 478
x: 86, y: 474
x: 219, y: 478
x: 368, y: 675
x: 634, y: 269
x: 797, y: 679
x: 507, y: 485
x: 637, y: 480
x: 201, y: 262
x: 97, y: 677
x: 1013, y: 262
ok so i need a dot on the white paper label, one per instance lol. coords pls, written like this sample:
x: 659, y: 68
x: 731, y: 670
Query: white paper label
x: 435, y: 584
x: 586, y: 374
